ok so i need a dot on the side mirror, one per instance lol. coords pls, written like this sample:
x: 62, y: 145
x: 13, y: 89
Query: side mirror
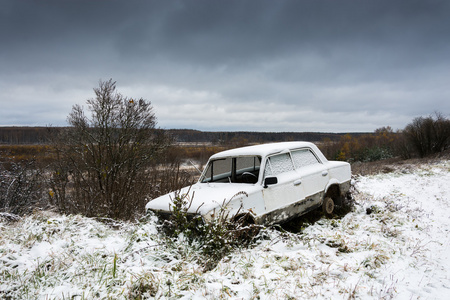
x: 270, y: 181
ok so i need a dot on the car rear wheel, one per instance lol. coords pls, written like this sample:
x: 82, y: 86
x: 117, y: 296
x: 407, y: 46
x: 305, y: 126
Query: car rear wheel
x: 328, y: 206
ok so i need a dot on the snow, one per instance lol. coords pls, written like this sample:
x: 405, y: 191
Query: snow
x: 264, y: 150
x: 425, y: 197
x: 393, y: 245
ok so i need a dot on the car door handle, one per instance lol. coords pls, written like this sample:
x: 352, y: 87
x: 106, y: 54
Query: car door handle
x: 324, y: 173
x: 298, y: 182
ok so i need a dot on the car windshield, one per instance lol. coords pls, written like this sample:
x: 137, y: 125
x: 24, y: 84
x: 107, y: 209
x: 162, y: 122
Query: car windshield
x: 241, y: 169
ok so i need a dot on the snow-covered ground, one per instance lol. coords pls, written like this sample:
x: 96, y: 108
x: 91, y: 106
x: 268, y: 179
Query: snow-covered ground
x: 395, y: 244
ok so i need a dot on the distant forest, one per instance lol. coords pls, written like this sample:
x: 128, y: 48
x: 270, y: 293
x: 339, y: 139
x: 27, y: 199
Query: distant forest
x: 250, y: 137
x: 37, y: 135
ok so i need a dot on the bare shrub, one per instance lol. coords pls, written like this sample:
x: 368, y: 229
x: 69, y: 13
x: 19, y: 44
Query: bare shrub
x: 21, y: 187
x: 167, y: 177
x: 428, y: 135
x: 104, y: 162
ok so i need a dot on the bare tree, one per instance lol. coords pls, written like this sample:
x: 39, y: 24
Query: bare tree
x: 428, y: 135
x: 102, y: 166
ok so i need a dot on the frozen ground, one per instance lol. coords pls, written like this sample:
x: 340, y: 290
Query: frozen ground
x: 395, y: 244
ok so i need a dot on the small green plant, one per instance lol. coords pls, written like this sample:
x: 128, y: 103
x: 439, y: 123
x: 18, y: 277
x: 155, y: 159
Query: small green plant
x: 144, y: 287
x: 215, y: 238
x: 114, y: 266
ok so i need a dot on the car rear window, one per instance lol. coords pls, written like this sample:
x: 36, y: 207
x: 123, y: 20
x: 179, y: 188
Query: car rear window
x: 278, y: 164
x: 303, y: 157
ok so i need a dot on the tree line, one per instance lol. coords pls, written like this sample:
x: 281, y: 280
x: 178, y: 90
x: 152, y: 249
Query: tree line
x: 38, y: 135
x: 422, y: 137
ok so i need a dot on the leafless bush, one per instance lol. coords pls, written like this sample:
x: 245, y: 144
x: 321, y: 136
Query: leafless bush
x: 104, y: 163
x: 168, y: 177
x: 21, y: 187
x: 428, y: 135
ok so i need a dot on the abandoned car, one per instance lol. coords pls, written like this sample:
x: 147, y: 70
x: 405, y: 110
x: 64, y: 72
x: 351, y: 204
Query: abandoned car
x: 269, y: 183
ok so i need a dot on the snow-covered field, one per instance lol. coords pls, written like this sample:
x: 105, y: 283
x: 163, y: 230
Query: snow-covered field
x: 395, y: 244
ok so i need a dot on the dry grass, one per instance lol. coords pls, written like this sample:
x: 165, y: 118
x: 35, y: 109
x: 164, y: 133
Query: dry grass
x: 18, y: 153
x: 395, y: 164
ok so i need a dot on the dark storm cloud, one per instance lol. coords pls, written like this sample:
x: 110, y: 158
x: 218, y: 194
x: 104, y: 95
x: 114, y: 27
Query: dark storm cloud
x: 340, y: 65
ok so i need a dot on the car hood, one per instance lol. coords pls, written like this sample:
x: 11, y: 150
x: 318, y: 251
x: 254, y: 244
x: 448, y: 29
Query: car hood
x: 204, y: 196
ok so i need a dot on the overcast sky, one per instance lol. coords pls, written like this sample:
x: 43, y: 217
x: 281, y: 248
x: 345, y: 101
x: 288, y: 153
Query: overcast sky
x: 234, y: 65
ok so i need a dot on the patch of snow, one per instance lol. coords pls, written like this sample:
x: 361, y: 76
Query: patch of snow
x: 393, y: 245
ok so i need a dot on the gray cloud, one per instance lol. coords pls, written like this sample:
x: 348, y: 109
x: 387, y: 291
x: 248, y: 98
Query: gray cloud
x: 230, y: 65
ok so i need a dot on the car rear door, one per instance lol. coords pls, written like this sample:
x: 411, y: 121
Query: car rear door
x: 314, y: 175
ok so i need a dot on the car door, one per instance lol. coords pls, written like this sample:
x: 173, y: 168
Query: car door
x: 288, y: 189
x: 314, y: 175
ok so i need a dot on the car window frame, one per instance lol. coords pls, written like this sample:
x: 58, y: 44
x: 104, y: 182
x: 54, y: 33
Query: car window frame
x: 308, y: 150
x: 268, y: 162
x: 233, y: 173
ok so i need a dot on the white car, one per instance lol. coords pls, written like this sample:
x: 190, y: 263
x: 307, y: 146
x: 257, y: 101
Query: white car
x: 268, y: 183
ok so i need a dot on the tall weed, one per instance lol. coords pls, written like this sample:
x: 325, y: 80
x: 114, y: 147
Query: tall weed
x: 215, y: 238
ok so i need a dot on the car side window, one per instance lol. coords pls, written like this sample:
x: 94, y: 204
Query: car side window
x: 278, y: 164
x: 249, y: 164
x: 303, y: 157
x: 233, y: 170
x: 218, y: 170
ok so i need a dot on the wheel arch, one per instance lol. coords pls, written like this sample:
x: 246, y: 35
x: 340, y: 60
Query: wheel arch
x: 333, y: 190
x: 244, y: 218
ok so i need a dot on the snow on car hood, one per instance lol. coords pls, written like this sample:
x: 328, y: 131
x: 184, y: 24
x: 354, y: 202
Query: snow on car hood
x: 204, y: 196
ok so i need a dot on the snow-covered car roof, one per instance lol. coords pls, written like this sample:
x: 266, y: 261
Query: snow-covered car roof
x: 267, y: 149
